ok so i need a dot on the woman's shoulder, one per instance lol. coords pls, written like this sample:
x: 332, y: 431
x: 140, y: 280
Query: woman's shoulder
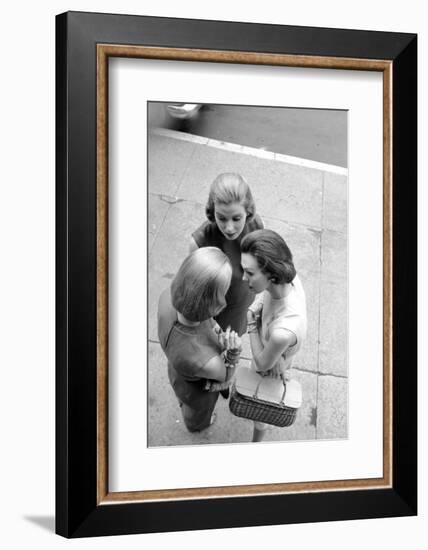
x: 255, y: 223
x: 206, y: 234
x: 291, y: 313
x: 295, y: 301
x: 190, y: 349
x: 167, y: 316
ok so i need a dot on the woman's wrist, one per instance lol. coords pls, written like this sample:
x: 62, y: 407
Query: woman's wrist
x: 252, y: 328
x: 251, y: 322
x: 231, y: 357
x: 251, y: 316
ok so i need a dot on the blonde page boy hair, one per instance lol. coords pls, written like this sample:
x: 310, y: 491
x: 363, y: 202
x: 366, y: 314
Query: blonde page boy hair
x: 199, y: 288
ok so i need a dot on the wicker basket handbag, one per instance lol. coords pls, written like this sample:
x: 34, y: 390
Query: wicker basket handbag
x: 264, y: 399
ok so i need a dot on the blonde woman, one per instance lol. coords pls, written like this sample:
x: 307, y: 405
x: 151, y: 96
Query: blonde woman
x: 199, y: 354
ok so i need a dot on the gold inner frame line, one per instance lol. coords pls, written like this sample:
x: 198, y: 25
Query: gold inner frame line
x: 104, y: 51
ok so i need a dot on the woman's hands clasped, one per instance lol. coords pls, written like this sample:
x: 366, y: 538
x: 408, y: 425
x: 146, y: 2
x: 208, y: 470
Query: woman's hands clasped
x: 230, y: 341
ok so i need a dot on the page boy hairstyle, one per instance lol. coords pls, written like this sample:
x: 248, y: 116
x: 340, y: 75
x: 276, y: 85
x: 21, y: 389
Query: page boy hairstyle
x: 199, y: 288
x: 272, y: 254
x: 226, y: 189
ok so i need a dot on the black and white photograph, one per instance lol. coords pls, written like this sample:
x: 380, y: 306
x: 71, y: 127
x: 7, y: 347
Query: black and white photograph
x: 212, y: 275
x: 247, y: 274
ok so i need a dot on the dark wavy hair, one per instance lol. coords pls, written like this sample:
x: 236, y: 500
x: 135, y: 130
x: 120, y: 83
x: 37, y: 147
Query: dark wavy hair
x: 272, y: 254
x: 228, y: 188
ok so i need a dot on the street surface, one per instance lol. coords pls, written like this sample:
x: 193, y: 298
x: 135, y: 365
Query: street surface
x: 308, y: 206
x: 313, y: 134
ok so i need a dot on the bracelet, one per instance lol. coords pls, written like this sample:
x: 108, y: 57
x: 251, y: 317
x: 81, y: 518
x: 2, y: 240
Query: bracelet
x: 252, y: 326
x: 231, y: 358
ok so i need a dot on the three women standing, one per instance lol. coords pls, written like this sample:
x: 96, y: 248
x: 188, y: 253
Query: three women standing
x: 211, y: 303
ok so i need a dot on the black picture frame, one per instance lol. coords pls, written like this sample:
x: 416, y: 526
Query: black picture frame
x: 78, y: 510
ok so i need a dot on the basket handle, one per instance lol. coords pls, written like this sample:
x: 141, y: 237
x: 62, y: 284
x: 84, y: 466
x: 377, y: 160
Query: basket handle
x: 285, y: 389
x: 256, y: 391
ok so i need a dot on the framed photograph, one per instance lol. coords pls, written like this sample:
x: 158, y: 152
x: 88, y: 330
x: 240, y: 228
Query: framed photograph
x: 236, y: 205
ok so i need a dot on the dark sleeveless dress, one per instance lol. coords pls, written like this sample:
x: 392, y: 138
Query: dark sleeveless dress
x: 188, y: 350
x: 239, y: 296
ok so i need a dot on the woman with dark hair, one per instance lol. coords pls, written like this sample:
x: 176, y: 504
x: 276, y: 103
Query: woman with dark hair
x: 199, y: 354
x: 231, y: 214
x: 277, y: 322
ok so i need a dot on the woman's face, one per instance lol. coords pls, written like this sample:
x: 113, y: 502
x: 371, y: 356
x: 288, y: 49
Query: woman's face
x: 256, y: 279
x: 230, y: 219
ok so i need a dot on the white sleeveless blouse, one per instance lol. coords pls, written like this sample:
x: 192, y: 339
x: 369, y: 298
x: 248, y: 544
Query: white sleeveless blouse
x: 287, y: 313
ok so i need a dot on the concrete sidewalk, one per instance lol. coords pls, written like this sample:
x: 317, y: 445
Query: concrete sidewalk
x: 307, y: 204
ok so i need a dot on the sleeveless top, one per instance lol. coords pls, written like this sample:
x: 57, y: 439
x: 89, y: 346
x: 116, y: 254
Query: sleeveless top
x: 208, y: 234
x: 286, y: 313
x: 188, y: 349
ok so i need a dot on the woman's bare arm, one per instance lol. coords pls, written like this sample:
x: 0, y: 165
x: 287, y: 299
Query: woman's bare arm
x: 265, y: 358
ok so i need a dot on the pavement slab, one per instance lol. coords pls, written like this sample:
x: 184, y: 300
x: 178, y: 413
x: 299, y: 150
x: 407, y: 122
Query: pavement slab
x: 207, y: 163
x: 335, y: 207
x: 333, y: 346
x: 334, y: 257
x: 166, y: 177
x: 168, y: 251
x: 280, y: 190
x: 288, y: 192
x: 332, y: 407
x: 158, y: 209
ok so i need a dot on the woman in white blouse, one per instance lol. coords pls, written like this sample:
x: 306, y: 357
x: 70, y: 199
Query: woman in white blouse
x: 277, y: 319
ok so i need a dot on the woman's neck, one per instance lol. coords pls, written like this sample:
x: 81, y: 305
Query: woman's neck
x: 279, y: 291
x: 185, y: 321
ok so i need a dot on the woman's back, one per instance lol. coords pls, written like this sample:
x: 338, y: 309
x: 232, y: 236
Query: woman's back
x: 188, y: 348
